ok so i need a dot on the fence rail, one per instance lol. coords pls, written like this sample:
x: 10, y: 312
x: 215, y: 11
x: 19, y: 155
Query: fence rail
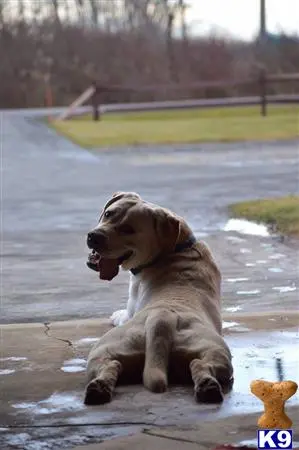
x: 201, y: 103
x: 96, y: 91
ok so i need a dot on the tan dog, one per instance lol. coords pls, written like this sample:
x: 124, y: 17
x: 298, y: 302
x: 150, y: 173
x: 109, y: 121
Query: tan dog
x: 172, y: 326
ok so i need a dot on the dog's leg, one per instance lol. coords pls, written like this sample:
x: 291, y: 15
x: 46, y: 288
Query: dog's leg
x: 206, y: 387
x: 212, y: 376
x: 119, y: 352
x: 100, y: 389
x: 122, y: 316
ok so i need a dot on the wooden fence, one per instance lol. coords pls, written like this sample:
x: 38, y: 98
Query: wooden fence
x: 96, y: 92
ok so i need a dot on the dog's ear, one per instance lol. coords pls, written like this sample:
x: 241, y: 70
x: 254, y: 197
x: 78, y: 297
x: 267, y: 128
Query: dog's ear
x: 121, y: 194
x: 117, y: 196
x: 168, y: 228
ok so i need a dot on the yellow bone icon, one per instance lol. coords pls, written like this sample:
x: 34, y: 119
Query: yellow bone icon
x: 274, y: 396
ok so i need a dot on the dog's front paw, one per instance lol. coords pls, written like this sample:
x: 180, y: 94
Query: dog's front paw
x: 119, y: 317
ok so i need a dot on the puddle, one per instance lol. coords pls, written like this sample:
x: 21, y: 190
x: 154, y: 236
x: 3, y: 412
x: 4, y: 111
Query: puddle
x: 241, y: 329
x: 229, y: 324
x: 75, y: 361
x: 245, y: 250
x: 275, y: 269
x: 246, y: 227
x: 74, y: 365
x: 236, y: 280
x: 57, y: 402
x: 253, y: 292
x: 266, y: 349
x: 73, y: 369
x: 283, y: 289
x: 250, y: 264
x: 87, y: 340
x: 233, y: 308
x: 268, y: 356
x: 6, y: 371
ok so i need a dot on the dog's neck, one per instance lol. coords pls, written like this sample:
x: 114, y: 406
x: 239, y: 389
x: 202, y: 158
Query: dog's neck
x: 178, y: 248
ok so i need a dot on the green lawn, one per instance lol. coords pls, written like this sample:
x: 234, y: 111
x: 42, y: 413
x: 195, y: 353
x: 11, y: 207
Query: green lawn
x: 184, y: 126
x: 281, y: 212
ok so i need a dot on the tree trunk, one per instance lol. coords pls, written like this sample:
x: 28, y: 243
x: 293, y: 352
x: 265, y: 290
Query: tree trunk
x: 55, y: 4
x: 94, y: 12
x: 170, y: 49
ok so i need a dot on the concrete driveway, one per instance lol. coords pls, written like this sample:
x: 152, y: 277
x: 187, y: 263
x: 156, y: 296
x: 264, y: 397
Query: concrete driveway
x: 52, y: 193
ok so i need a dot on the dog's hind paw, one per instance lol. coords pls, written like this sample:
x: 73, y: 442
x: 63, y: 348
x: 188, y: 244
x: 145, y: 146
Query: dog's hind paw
x: 97, y: 393
x: 208, y: 391
x: 119, y: 317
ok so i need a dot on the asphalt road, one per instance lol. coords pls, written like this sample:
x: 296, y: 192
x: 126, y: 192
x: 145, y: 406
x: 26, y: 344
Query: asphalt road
x: 52, y: 192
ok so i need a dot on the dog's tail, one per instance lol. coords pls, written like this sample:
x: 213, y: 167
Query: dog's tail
x: 160, y: 327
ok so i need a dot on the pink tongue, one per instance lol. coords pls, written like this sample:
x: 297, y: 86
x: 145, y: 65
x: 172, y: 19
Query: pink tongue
x: 108, y: 268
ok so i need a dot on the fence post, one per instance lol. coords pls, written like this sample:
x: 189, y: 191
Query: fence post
x: 48, y: 94
x: 263, y: 92
x: 96, y: 103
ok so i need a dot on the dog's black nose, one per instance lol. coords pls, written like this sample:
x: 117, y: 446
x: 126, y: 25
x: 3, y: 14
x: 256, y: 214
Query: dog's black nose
x: 96, y: 240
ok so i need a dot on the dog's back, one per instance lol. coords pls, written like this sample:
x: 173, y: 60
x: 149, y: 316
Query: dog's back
x: 187, y: 282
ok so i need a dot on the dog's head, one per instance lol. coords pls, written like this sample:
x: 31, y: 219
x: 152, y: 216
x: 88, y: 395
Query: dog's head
x: 132, y: 232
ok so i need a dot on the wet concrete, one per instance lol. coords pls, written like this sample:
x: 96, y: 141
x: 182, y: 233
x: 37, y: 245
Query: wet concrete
x: 42, y: 405
x: 53, y: 190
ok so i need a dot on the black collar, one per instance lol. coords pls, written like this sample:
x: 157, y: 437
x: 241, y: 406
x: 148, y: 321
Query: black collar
x: 179, y: 247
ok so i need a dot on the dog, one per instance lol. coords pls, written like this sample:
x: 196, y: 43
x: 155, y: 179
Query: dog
x: 172, y: 326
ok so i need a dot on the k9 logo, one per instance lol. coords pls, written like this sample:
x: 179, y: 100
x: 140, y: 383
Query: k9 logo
x: 276, y: 439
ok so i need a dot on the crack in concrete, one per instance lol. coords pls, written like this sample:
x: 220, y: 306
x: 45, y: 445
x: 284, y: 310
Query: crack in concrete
x: 47, y: 332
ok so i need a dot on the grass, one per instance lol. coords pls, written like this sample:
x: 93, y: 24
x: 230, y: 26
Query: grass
x: 183, y: 126
x: 283, y: 213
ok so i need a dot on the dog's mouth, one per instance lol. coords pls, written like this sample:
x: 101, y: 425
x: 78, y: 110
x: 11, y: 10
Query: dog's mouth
x: 108, y: 268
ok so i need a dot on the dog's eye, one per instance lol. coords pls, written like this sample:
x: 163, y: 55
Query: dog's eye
x: 108, y: 214
x: 125, y: 229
